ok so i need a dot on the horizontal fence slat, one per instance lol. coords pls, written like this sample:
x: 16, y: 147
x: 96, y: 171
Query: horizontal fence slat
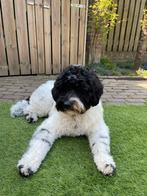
x: 32, y: 36
x: 65, y: 32
x: 3, y: 61
x: 56, y: 46
x: 10, y: 36
x: 22, y: 35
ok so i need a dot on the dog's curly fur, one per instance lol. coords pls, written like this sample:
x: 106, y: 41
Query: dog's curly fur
x: 74, y: 108
x: 80, y: 83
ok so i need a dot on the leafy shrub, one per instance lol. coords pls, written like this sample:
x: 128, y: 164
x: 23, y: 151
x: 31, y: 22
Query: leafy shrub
x: 108, y: 68
x: 108, y: 64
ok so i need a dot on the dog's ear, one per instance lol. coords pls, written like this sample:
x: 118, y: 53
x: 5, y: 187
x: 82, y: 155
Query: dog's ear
x: 96, y: 89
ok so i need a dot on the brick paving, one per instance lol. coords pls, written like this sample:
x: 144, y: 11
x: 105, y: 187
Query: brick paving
x: 116, y: 90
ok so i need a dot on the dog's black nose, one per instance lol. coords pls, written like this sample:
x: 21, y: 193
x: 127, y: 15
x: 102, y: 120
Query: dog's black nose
x: 67, y: 104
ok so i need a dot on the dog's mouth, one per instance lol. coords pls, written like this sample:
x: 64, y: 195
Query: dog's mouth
x: 73, y: 105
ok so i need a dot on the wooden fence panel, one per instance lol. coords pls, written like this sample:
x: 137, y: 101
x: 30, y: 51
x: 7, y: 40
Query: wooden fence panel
x: 74, y: 31
x: 110, y: 39
x: 41, y: 36
x: 134, y: 25
x: 32, y: 36
x: 47, y: 36
x: 123, y: 25
x: 118, y: 25
x: 65, y: 32
x: 142, y: 6
x: 3, y: 61
x: 22, y: 36
x: 129, y: 25
x: 56, y: 36
x: 82, y: 26
x: 110, y: 36
x: 10, y: 36
x: 44, y: 36
x: 123, y: 41
x: 85, y: 33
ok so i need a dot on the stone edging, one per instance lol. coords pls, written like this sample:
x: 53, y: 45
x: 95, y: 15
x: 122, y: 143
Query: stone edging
x: 123, y: 77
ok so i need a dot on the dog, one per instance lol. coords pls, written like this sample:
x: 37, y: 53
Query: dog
x: 74, y: 108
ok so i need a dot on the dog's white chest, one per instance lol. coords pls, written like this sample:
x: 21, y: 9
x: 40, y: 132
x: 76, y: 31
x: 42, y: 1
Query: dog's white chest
x: 77, y: 128
x: 73, y: 126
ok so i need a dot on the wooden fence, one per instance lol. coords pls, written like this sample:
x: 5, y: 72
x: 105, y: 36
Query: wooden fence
x: 123, y: 39
x: 41, y: 36
x: 44, y: 36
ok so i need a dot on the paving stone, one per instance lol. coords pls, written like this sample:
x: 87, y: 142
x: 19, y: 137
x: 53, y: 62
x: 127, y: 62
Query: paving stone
x: 135, y: 100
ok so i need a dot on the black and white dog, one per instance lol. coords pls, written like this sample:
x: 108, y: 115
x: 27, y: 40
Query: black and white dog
x: 73, y: 106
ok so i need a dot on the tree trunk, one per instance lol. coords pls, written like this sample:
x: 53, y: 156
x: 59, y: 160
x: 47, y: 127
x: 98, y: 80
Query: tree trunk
x: 95, y: 48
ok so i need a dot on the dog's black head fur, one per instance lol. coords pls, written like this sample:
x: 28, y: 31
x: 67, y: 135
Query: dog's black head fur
x: 77, y: 85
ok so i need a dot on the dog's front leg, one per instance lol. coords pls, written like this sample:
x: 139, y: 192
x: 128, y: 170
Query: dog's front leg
x: 39, y: 145
x: 100, y: 146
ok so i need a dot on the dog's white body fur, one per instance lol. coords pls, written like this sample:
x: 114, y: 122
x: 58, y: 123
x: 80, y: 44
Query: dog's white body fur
x: 59, y: 124
x: 40, y: 103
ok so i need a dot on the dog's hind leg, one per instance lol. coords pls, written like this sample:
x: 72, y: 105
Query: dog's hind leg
x: 39, y: 145
x: 18, y: 108
x: 100, y: 146
x: 31, y: 116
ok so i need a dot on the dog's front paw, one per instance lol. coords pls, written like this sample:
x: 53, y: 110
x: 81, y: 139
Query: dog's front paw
x: 25, y: 171
x: 109, y: 170
x: 27, y: 167
x: 105, y: 165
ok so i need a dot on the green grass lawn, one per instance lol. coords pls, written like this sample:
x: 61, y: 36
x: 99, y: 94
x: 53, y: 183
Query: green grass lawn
x: 69, y: 168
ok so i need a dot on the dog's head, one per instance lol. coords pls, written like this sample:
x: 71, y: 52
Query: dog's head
x: 76, y: 89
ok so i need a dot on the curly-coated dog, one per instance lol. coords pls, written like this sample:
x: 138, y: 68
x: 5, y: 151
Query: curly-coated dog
x: 73, y: 106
